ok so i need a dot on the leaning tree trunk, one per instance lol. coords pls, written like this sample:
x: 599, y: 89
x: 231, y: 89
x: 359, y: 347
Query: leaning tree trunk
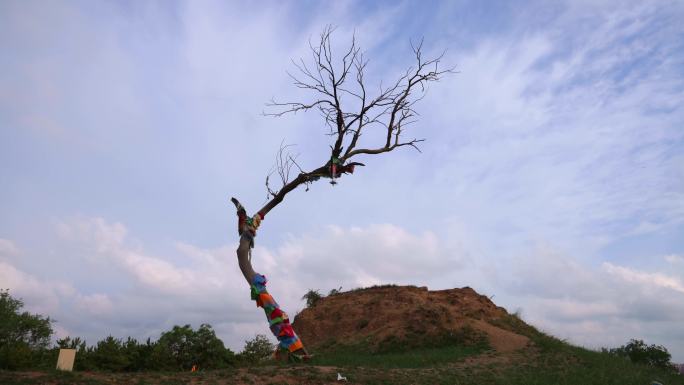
x: 279, y: 323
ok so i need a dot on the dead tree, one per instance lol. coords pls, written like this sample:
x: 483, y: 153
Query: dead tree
x: 349, y: 108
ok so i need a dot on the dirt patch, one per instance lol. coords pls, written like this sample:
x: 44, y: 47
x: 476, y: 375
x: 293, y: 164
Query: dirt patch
x: 502, y: 340
x: 405, y: 313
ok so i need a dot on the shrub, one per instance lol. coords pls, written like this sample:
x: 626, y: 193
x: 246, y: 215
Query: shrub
x: 209, y: 350
x: 109, y: 354
x: 312, y: 297
x: 182, y: 348
x: 257, y: 349
x: 638, y: 352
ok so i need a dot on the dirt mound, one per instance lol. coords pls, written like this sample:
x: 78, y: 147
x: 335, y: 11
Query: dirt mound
x: 387, y: 317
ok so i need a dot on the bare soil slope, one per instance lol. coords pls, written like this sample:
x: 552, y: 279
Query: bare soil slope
x: 386, y: 317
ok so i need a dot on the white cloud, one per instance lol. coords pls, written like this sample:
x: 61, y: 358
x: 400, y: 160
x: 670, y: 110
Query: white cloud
x: 674, y: 259
x: 50, y: 297
x: 102, y: 240
x: 547, y: 273
x: 158, y: 273
x: 39, y: 296
x: 333, y: 257
x: 95, y: 304
x: 105, y: 237
x: 643, y: 278
x: 360, y: 256
x: 8, y: 248
x: 573, y: 310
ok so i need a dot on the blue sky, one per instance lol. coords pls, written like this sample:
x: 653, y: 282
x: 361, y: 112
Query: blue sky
x: 552, y: 176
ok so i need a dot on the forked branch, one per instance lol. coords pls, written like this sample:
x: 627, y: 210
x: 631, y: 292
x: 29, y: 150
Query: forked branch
x: 341, y: 95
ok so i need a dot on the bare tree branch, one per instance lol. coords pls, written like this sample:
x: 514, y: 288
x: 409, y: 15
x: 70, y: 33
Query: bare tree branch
x: 340, y: 95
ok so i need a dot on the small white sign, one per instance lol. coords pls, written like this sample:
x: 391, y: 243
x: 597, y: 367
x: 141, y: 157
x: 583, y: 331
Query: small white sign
x: 66, y: 358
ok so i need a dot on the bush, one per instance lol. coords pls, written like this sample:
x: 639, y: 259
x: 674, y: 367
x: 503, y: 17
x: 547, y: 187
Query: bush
x: 209, y: 350
x: 182, y: 348
x: 257, y: 349
x: 638, y: 352
x: 109, y: 354
x: 312, y: 297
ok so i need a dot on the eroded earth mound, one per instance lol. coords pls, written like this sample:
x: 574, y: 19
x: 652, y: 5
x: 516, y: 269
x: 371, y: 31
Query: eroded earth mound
x: 389, y: 317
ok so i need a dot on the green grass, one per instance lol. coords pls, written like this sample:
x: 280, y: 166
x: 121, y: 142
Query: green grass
x: 552, y: 361
x: 561, y: 363
x: 579, y: 366
x: 415, y: 350
x: 419, y: 358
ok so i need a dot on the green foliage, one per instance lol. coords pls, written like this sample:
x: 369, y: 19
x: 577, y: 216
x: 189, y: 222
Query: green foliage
x: 109, y: 355
x: 137, y: 354
x: 257, y: 349
x: 21, y: 333
x: 69, y: 343
x: 182, y: 347
x: 176, y: 350
x: 312, y: 297
x: 210, y: 351
x: 638, y: 352
x: 366, y: 356
x: 16, y: 356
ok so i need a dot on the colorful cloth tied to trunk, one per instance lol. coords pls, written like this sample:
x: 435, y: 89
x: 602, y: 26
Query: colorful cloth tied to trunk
x: 277, y: 319
x: 247, y: 226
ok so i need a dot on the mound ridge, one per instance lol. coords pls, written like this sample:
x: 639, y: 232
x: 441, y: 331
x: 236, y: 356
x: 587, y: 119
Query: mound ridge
x: 391, y: 317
